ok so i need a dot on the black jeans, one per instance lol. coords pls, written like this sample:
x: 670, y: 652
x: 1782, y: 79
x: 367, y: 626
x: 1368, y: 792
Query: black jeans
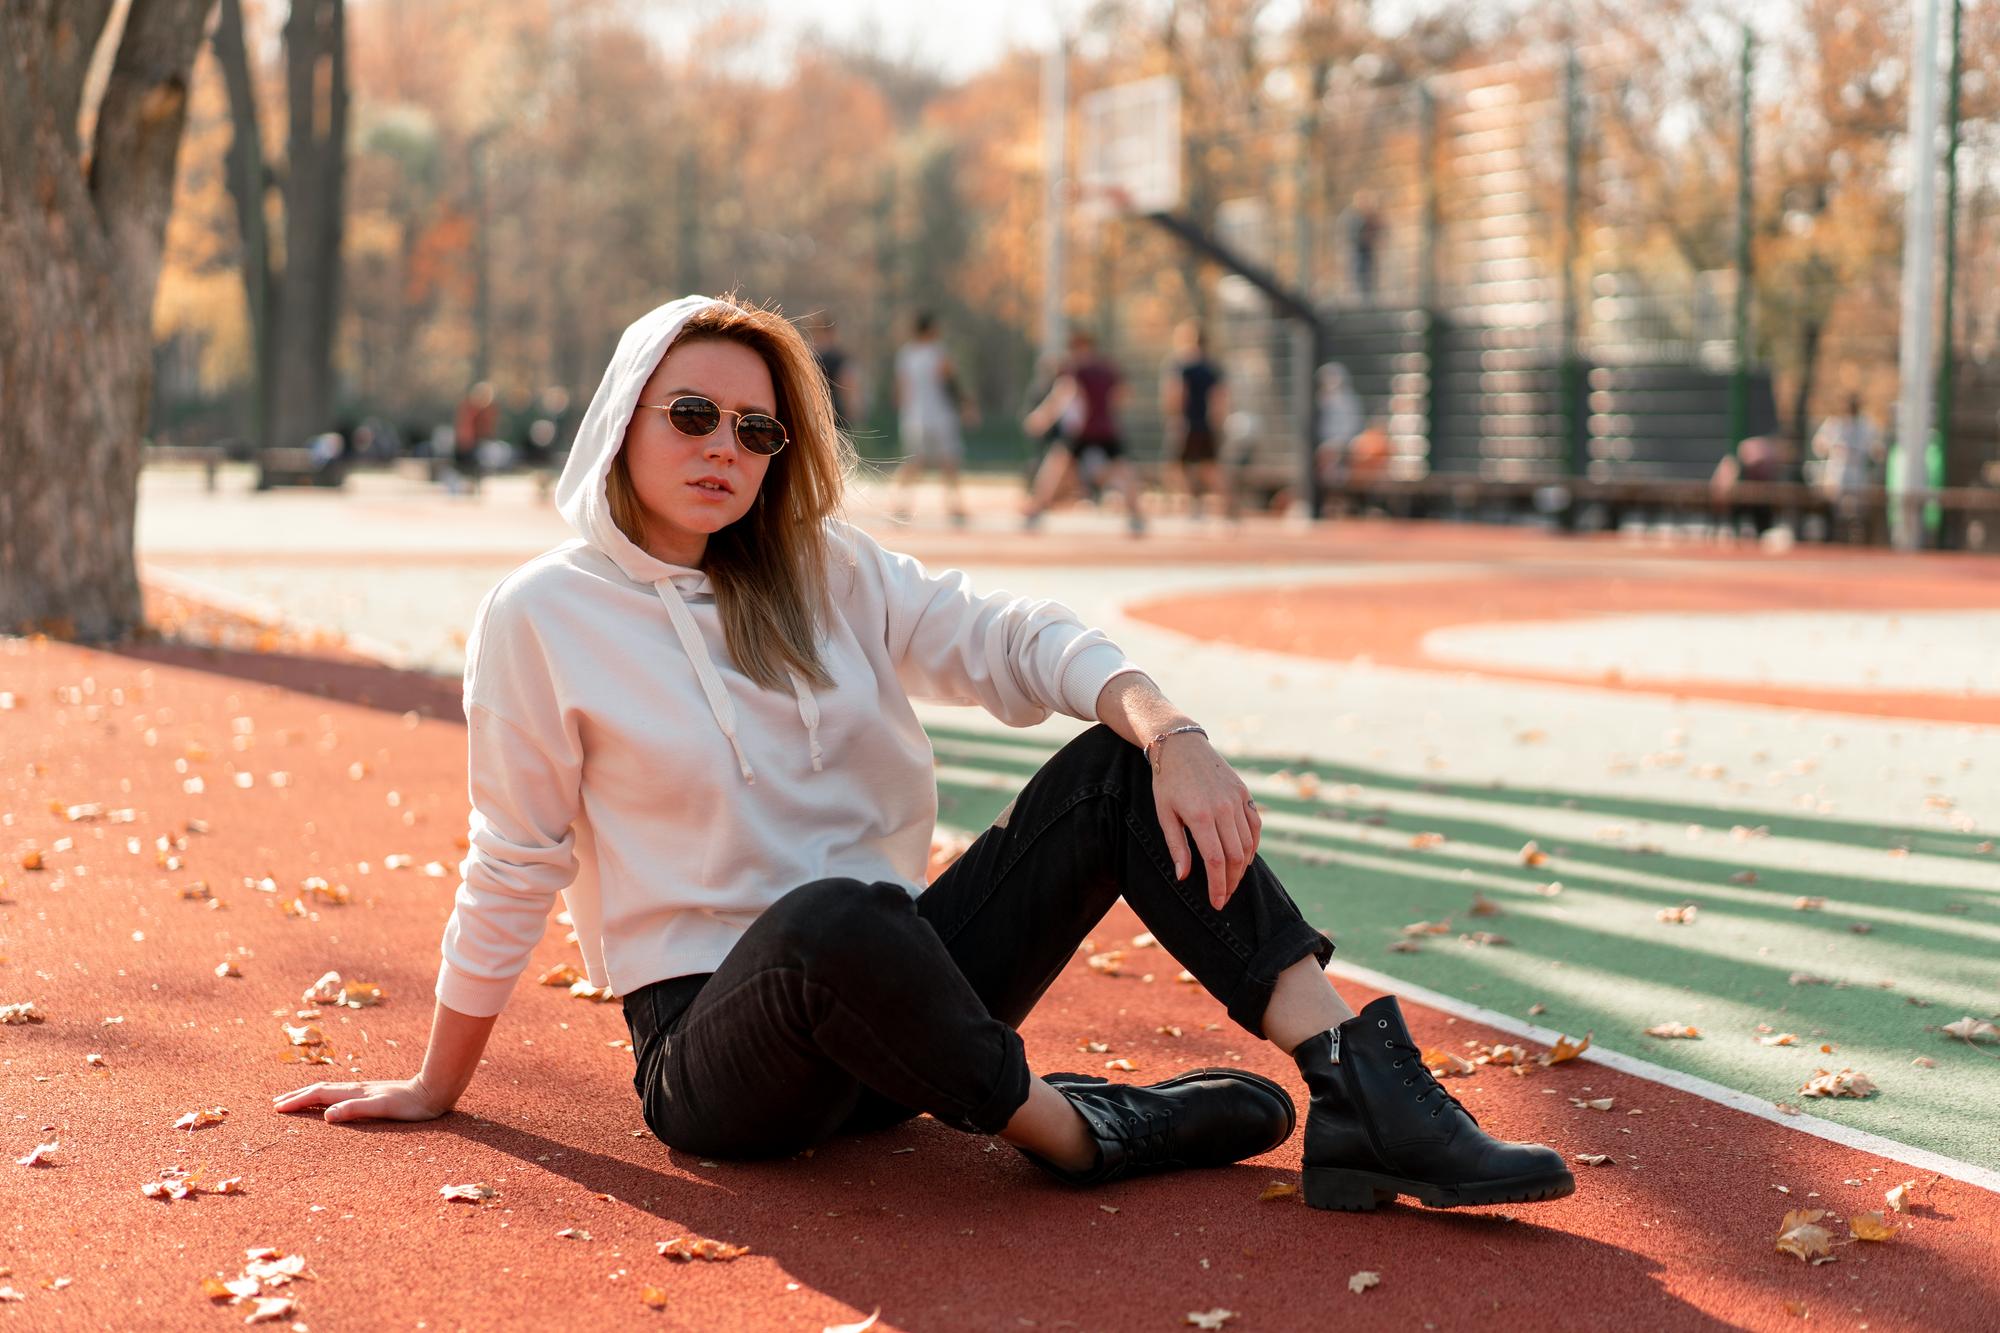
x: 849, y: 1006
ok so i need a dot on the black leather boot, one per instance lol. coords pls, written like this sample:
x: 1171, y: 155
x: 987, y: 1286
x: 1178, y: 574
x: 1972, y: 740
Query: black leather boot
x: 1380, y: 1125
x: 1205, y: 1117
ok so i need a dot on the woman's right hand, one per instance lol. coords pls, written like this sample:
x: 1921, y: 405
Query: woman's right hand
x: 377, y: 1099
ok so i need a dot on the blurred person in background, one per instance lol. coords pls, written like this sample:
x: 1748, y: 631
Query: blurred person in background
x: 838, y: 367
x: 1089, y: 382
x: 1340, y: 421
x: 1850, y: 452
x: 1194, y: 400
x: 477, y: 418
x: 928, y: 411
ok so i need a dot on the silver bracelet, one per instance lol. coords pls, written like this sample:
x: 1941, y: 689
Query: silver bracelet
x: 1176, y: 731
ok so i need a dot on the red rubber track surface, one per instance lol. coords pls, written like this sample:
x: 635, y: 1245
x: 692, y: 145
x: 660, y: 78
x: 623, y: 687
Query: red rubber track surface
x: 936, y: 1229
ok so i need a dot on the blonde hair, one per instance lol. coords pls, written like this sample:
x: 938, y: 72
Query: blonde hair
x: 769, y: 569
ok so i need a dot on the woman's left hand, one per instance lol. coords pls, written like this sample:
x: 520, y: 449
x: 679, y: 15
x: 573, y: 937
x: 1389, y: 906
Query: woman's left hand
x: 1195, y: 789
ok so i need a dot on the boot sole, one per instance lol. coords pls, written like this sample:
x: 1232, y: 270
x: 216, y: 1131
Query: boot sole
x: 1345, y: 1191
x: 1195, y: 1076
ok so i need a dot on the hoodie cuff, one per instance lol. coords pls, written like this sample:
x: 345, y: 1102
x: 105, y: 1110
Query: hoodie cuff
x: 475, y: 997
x: 1087, y: 673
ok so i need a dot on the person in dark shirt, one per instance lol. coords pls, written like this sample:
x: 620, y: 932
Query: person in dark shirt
x: 1194, y: 400
x: 1090, y: 391
x: 838, y: 369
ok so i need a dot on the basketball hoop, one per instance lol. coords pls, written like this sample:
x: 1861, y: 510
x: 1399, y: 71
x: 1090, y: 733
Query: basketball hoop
x: 1130, y: 149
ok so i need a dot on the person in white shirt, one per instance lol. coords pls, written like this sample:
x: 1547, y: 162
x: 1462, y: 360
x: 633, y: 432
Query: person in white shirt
x: 1850, y: 449
x: 694, y: 722
x: 929, y: 408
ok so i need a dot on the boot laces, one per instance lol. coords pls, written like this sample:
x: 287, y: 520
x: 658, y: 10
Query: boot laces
x: 1414, y: 1056
x: 1147, y: 1133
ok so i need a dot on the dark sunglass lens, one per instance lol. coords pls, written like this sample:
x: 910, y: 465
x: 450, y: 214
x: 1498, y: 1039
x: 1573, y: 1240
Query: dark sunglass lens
x: 694, y: 416
x: 761, y: 434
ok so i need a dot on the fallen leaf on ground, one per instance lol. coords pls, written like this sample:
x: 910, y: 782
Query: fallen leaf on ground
x: 1801, y: 1234
x: 1807, y: 979
x: 1485, y: 938
x: 360, y: 994
x: 1502, y: 1055
x: 1210, y: 1319
x: 1143, y: 940
x: 24, y: 1012
x: 1111, y: 962
x: 1278, y: 1189
x: 1533, y: 855
x: 1168, y: 1030
x: 1593, y: 1158
x: 324, y: 991
x: 1444, y: 1064
x: 194, y: 1120
x: 1483, y: 906
x: 1899, y: 1196
x: 1680, y: 1030
x: 1678, y: 916
x: 268, y: 1308
x: 471, y: 1193
x: 858, y: 1326
x: 654, y: 1297
x: 1594, y: 1104
x: 1805, y: 904
x: 1362, y: 1281
x: 572, y: 1233
x: 1971, y: 1029
x: 1779, y: 1039
x: 582, y: 989
x: 562, y: 974
x: 1405, y: 946
x: 685, y: 1248
x: 1536, y: 1009
x: 1122, y: 1065
x: 1428, y: 927
x: 1870, y: 1226
x: 1744, y: 877
x: 1094, y: 1047
x: 1566, y: 1050
x: 1423, y: 842
x: 1846, y: 1083
x: 39, y: 1155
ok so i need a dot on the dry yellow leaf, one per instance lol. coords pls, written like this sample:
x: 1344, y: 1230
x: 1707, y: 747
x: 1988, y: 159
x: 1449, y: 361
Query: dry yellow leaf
x: 1846, y: 1083
x: 1593, y: 1158
x: 685, y: 1248
x: 654, y: 1297
x: 1779, y: 1039
x: 1566, y: 1050
x: 1683, y: 915
x: 1673, y: 1030
x: 1800, y: 1234
x: 1428, y: 927
x: 1122, y: 1065
x: 1899, y: 1197
x: 1210, y: 1319
x: 1870, y: 1226
x: 1278, y: 1189
x: 1423, y: 842
x: 562, y: 974
x: 471, y: 1193
x: 1362, y: 1281
x: 1444, y: 1064
x: 1533, y: 855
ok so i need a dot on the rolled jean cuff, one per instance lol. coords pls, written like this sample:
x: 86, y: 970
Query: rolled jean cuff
x: 1010, y: 1091
x: 1252, y: 995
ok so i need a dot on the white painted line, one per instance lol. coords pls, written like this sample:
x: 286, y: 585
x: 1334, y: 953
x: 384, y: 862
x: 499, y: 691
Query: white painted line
x: 1845, y: 1135
x: 270, y: 613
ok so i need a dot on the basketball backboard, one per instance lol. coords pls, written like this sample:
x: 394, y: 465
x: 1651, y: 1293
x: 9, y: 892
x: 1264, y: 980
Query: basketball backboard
x: 1131, y: 147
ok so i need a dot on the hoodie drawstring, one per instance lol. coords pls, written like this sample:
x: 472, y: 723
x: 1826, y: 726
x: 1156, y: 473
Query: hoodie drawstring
x: 808, y: 713
x: 704, y: 668
x: 719, y: 702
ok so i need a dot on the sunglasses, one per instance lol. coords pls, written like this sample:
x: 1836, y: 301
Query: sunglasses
x: 698, y: 417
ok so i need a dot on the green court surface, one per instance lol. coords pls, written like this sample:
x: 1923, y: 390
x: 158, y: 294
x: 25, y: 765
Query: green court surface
x: 1906, y: 939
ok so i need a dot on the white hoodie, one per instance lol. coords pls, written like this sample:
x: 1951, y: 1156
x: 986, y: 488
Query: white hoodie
x: 618, y: 756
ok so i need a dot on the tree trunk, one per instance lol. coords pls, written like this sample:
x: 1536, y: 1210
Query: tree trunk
x: 249, y: 178
x: 315, y: 177
x: 80, y: 242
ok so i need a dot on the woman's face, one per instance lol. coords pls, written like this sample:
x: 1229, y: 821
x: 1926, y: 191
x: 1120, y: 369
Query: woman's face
x: 692, y: 486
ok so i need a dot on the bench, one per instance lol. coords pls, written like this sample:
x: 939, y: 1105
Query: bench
x: 209, y: 457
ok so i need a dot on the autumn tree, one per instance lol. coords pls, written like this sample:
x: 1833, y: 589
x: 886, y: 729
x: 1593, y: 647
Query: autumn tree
x: 86, y: 178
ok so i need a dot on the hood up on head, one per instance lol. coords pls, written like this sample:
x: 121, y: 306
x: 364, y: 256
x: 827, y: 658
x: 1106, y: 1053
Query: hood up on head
x: 581, y: 498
